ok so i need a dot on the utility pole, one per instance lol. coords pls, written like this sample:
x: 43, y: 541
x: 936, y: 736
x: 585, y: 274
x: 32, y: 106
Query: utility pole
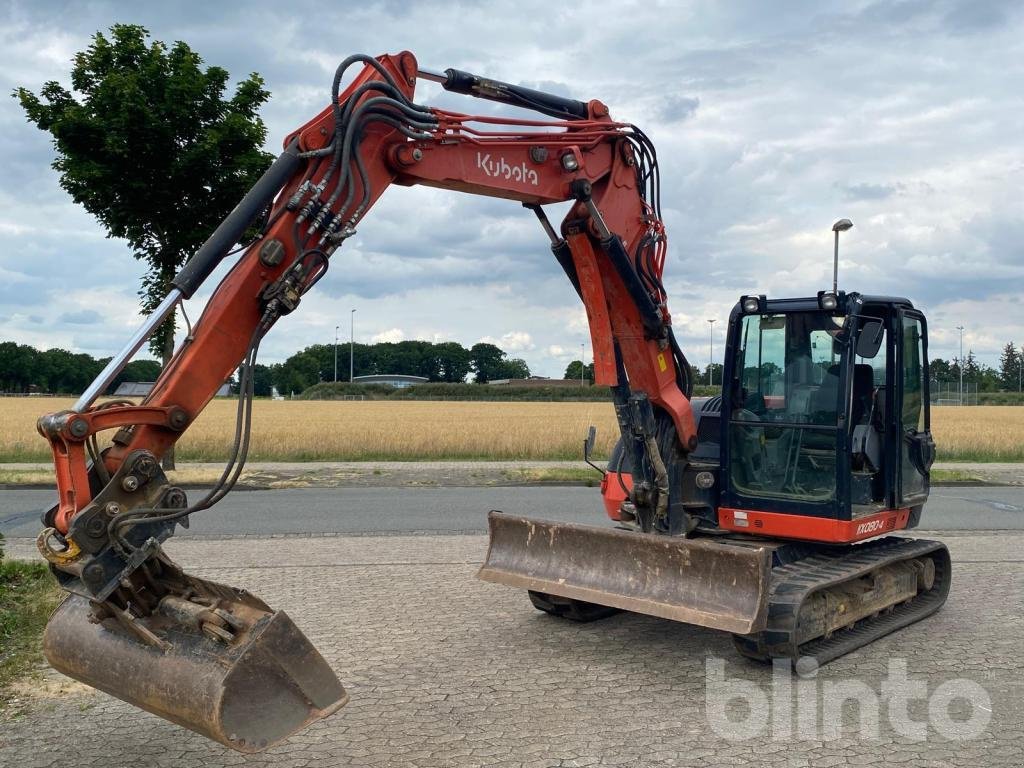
x: 583, y: 362
x: 351, y: 346
x: 961, y: 363
x: 336, y: 353
x: 711, y: 353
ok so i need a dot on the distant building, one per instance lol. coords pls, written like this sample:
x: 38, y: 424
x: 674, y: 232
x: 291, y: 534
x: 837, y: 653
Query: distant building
x: 536, y: 381
x: 143, y: 388
x: 396, y: 380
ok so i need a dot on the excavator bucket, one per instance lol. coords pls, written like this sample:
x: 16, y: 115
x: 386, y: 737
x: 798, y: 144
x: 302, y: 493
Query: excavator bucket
x: 247, y: 693
x: 697, y: 581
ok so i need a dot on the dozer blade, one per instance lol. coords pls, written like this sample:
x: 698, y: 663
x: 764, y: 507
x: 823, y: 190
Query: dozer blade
x: 248, y: 694
x: 697, y: 581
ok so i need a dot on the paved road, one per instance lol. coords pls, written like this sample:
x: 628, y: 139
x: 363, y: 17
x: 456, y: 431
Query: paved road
x: 397, y: 510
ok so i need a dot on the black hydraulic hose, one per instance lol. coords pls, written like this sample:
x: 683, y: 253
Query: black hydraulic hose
x: 230, y: 231
x: 368, y: 107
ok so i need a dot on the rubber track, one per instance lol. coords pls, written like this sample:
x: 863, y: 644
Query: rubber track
x: 793, y: 583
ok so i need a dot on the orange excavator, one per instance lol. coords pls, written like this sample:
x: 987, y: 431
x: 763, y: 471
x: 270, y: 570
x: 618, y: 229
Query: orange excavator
x: 758, y: 511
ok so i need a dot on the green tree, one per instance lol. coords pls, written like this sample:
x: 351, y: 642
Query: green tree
x: 572, y: 371
x: 514, y: 368
x: 717, y: 372
x: 1009, y: 367
x: 147, y: 143
x: 940, y: 370
x: 18, y: 366
x: 453, y: 360
x: 136, y: 370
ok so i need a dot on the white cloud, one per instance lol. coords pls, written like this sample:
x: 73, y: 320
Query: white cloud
x: 771, y: 122
x: 513, y: 341
x: 392, y: 335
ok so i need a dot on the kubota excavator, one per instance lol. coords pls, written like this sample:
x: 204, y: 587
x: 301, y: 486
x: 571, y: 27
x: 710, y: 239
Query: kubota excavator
x: 743, y: 512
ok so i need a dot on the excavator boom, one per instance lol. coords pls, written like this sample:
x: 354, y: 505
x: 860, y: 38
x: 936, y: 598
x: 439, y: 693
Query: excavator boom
x: 214, y: 658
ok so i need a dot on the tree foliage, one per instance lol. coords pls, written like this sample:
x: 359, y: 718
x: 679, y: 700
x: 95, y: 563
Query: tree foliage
x: 147, y: 143
x: 1011, y: 363
x: 58, y: 371
x: 490, y: 363
x: 445, y: 362
x: 573, y: 371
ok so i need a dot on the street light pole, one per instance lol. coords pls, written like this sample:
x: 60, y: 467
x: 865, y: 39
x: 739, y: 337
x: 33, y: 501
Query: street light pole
x: 583, y: 362
x: 336, y: 353
x: 711, y: 352
x: 961, y: 365
x: 351, y: 346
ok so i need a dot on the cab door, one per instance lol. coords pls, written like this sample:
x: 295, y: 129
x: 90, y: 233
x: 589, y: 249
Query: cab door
x: 916, y: 447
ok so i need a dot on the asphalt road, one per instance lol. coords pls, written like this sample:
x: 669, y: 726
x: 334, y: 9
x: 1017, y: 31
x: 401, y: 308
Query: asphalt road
x: 439, y: 510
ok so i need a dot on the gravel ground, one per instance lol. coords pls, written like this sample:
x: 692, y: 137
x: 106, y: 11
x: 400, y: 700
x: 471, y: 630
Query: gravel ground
x: 445, y: 670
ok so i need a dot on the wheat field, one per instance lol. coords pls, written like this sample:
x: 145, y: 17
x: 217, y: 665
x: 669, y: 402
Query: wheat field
x: 359, y: 430
x: 418, y: 430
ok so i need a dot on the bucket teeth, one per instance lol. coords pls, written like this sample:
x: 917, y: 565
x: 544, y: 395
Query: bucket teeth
x: 697, y: 581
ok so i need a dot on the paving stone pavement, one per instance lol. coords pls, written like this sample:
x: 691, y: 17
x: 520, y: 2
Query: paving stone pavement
x: 445, y: 670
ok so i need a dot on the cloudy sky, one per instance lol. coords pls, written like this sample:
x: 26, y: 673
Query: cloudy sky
x: 771, y: 120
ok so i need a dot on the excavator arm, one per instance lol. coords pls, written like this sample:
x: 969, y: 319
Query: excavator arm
x: 115, y: 507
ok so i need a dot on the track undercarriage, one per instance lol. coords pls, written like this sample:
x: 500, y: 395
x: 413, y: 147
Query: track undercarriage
x: 825, y: 601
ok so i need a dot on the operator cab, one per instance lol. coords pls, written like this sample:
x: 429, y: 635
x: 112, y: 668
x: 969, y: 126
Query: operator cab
x: 825, y: 415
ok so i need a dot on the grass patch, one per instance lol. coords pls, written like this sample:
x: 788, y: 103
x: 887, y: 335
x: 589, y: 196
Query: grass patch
x: 28, y: 595
x: 955, y: 476
x: 186, y: 476
x: 584, y: 476
x: 27, y: 477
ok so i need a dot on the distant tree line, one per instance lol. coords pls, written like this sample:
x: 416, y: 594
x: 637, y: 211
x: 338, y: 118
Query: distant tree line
x: 1007, y: 377
x: 446, y: 361
x: 24, y: 368
x: 699, y: 377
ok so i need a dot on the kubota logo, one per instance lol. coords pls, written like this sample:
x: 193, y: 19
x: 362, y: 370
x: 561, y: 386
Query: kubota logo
x: 500, y: 169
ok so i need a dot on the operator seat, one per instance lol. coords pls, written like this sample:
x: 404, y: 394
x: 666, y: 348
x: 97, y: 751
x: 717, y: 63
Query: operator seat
x: 863, y: 391
x: 866, y: 441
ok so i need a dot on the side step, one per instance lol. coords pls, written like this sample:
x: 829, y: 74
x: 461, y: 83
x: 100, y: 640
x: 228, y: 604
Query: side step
x: 832, y: 577
x: 709, y: 583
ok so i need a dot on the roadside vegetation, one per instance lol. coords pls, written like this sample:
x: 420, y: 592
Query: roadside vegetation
x: 28, y: 594
x: 400, y: 429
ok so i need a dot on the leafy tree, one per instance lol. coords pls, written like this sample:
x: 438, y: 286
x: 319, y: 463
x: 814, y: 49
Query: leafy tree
x: 717, y: 372
x: 136, y: 370
x: 1010, y: 366
x: 18, y: 366
x: 573, y: 371
x: 971, y: 369
x: 489, y: 363
x: 453, y: 361
x: 940, y: 369
x: 147, y: 143
x: 514, y: 368
x: 486, y: 362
